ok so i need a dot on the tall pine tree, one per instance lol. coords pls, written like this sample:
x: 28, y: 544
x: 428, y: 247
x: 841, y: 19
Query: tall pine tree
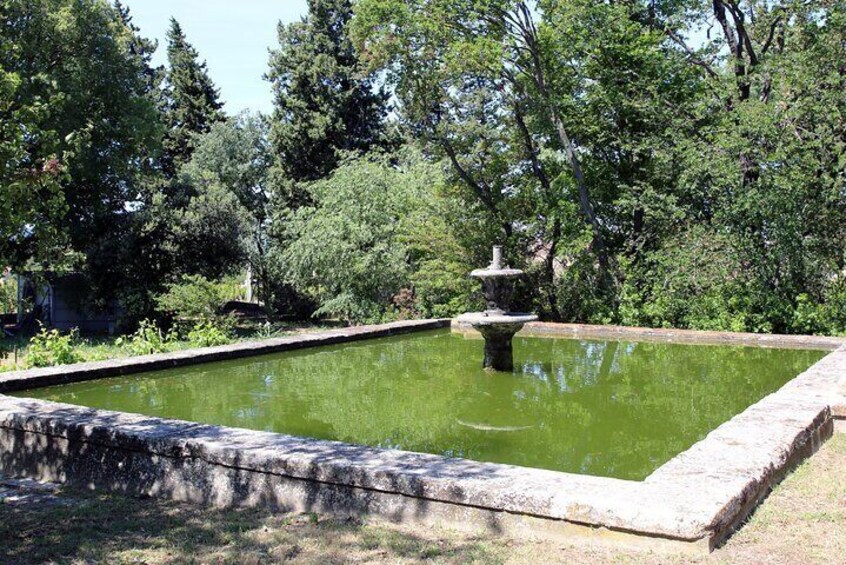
x: 143, y: 49
x: 324, y: 103
x: 192, y: 101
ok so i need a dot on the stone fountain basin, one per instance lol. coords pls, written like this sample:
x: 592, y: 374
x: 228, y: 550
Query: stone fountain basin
x: 489, y: 273
x: 692, y: 502
x: 495, y: 319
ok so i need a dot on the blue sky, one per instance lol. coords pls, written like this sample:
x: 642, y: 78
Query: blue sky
x: 232, y: 36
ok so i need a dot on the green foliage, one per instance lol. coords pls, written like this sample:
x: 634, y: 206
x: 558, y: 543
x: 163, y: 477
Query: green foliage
x: 235, y: 153
x: 209, y: 236
x: 267, y: 331
x: 344, y: 249
x: 324, y: 104
x: 476, y: 84
x: 638, y: 178
x: 208, y: 333
x: 147, y: 339
x: 235, y: 156
x: 361, y: 243
x: 826, y: 316
x: 78, y: 124
x: 24, y: 171
x: 192, y: 101
x: 195, y: 297
x: 438, y: 260
x: 693, y: 283
x: 8, y: 295
x: 50, y: 347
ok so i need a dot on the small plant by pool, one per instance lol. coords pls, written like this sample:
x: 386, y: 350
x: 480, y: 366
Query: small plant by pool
x: 611, y: 408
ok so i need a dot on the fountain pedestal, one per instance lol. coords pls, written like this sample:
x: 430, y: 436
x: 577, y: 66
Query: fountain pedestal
x: 496, y: 324
x: 498, y: 331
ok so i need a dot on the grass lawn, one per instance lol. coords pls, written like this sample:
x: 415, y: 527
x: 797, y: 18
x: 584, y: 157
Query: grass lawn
x: 803, y: 521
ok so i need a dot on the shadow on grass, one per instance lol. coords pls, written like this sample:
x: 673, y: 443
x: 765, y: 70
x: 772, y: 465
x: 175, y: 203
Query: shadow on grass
x: 103, y: 528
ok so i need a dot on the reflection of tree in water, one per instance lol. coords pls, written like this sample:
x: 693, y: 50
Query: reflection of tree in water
x: 608, y: 408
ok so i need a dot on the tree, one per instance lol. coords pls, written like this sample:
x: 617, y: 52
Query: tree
x: 625, y: 95
x: 192, y: 101
x: 325, y: 104
x: 31, y: 200
x: 607, y: 151
x: 78, y: 125
x: 143, y: 49
x: 764, y: 169
x: 236, y: 156
x: 209, y: 236
x: 368, y: 237
x: 472, y: 79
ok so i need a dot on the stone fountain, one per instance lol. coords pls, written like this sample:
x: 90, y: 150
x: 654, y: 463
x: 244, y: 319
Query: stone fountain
x: 496, y: 324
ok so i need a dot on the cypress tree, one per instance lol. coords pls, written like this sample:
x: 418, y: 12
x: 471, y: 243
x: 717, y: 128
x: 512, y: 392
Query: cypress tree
x: 143, y: 49
x: 323, y: 103
x: 192, y: 101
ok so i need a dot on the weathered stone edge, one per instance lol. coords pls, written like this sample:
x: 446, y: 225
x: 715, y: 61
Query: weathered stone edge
x: 48, y: 376
x: 737, y: 464
x: 586, y: 331
x: 838, y: 405
x: 595, y: 501
x: 704, y: 491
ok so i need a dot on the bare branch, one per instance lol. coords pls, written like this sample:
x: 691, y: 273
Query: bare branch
x: 736, y: 46
x: 478, y: 186
x: 691, y: 53
x: 771, y: 35
x: 743, y: 34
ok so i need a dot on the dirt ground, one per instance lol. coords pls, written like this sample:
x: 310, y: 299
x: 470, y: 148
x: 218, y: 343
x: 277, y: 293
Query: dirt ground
x: 802, y: 522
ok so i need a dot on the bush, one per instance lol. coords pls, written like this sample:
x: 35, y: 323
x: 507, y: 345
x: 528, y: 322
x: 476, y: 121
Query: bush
x: 147, y: 339
x: 49, y: 347
x: 197, y: 298
x: 826, y: 316
x: 698, y: 282
x: 208, y: 334
x: 8, y: 295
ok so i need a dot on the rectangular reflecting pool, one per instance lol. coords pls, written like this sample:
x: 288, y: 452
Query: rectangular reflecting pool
x: 610, y: 408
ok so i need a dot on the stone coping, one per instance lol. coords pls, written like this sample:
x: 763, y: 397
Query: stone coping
x: 698, y: 497
x: 632, y: 333
x: 62, y: 374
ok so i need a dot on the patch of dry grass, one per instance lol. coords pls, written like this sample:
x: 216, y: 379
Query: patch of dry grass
x: 803, y: 521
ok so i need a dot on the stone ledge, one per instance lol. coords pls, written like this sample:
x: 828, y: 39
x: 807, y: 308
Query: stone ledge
x: 700, y: 499
x: 586, y: 331
x: 693, y: 501
x: 62, y: 374
x: 196, y: 480
x: 595, y: 501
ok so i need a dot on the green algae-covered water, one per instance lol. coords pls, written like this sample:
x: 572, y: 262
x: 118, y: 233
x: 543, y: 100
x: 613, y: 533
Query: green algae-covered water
x: 608, y: 408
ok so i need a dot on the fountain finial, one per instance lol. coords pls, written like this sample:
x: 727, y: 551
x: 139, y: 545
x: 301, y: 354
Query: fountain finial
x: 496, y: 264
x: 496, y: 324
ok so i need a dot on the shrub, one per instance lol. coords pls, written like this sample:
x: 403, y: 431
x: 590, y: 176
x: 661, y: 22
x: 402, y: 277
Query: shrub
x: 8, y: 295
x: 269, y: 331
x: 697, y: 281
x: 208, y: 334
x: 826, y: 316
x: 49, y: 347
x: 147, y: 339
x: 197, y: 298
